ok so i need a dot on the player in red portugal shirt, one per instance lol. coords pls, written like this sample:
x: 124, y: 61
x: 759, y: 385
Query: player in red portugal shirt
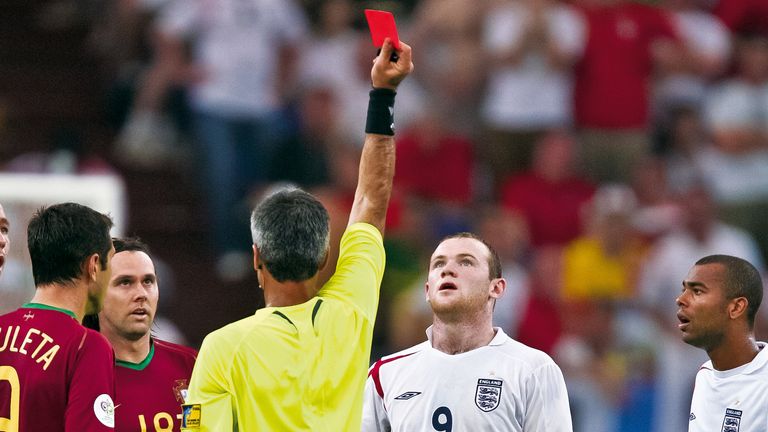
x: 55, y: 374
x: 152, y: 375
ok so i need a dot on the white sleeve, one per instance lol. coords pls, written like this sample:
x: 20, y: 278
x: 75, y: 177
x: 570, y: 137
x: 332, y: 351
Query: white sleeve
x: 547, y: 401
x: 374, y: 415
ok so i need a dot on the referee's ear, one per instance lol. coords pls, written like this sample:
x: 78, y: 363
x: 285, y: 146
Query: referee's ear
x: 256, y: 264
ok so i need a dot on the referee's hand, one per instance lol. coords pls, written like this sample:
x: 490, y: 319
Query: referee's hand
x: 388, y: 74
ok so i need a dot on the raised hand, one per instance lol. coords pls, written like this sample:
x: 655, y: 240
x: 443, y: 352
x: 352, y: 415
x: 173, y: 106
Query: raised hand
x: 388, y: 74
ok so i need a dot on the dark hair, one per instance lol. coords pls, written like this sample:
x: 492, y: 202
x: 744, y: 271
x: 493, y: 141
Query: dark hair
x: 91, y: 321
x: 741, y: 280
x: 129, y: 244
x: 494, y: 263
x: 61, y: 237
x: 291, y: 230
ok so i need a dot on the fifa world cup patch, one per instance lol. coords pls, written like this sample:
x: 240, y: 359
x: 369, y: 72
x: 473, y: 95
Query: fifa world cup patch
x: 732, y: 420
x: 104, y: 409
x: 190, y: 416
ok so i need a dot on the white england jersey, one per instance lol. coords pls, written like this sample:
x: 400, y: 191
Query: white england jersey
x: 504, y: 386
x: 735, y: 400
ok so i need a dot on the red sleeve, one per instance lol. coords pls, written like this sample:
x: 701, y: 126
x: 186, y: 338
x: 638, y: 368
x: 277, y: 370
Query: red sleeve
x: 91, y: 396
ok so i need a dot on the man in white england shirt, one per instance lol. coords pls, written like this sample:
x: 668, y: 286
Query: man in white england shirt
x: 716, y: 310
x: 469, y: 375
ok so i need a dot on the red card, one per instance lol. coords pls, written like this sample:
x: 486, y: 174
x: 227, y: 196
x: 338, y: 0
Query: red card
x: 382, y: 25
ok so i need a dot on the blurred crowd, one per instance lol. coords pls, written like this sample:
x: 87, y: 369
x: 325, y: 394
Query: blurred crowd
x: 601, y: 146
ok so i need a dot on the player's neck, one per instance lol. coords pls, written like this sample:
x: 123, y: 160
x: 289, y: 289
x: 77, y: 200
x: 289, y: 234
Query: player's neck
x: 69, y: 297
x: 731, y: 355
x: 131, y: 351
x: 461, y: 336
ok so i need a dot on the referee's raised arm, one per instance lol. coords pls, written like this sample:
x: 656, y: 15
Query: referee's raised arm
x: 377, y: 163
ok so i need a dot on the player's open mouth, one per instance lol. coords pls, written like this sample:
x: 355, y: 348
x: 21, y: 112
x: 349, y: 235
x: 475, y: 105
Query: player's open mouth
x: 684, y: 321
x: 2, y: 260
x: 140, y: 312
x: 447, y: 286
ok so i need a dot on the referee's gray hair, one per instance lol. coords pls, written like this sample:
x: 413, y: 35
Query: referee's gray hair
x: 291, y: 230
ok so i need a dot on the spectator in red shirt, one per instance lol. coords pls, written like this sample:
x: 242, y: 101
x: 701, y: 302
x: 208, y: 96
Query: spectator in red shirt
x: 434, y: 174
x: 550, y: 195
x: 434, y: 163
x: 626, y: 42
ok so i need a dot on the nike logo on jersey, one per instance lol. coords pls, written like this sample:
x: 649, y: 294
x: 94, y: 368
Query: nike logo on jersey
x: 692, y: 417
x: 407, y: 395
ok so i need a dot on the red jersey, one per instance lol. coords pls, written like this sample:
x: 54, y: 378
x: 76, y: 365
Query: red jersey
x: 438, y: 171
x: 150, y: 394
x: 55, y: 374
x: 552, y: 210
x: 613, y: 78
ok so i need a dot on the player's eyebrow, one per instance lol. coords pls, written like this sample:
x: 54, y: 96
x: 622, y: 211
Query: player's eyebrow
x: 458, y: 256
x: 694, y: 284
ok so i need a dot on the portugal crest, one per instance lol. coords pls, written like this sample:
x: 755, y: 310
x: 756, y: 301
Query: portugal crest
x: 731, y: 421
x: 488, y: 394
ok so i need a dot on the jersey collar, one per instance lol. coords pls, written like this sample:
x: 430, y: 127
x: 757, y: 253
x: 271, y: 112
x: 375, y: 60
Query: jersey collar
x: 144, y: 363
x: 47, y: 307
x: 498, y: 339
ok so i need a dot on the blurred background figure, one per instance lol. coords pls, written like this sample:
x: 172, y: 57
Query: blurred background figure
x: 240, y: 69
x: 508, y: 235
x: 550, y: 195
x: 303, y: 155
x: 627, y: 42
x: 737, y: 114
x: 435, y: 173
x: 707, y: 46
x: 531, y: 46
x: 602, y: 263
x: 453, y: 73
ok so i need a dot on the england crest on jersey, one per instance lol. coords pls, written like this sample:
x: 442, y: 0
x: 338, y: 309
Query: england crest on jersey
x: 731, y: 421
x: 488, y: 394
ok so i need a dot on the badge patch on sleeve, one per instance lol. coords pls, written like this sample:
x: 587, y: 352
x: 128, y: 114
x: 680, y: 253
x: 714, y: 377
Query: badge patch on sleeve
x: 190, y: 418
x: 104, y: 409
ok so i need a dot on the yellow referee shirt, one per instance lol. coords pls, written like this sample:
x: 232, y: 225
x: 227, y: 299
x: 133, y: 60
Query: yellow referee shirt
x: 295, y: 368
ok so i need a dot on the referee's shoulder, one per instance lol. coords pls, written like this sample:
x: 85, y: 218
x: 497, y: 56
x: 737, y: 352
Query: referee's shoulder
x: 231, y: 334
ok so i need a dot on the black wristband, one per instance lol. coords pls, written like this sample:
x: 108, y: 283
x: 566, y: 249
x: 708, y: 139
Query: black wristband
x: 381, y: 109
